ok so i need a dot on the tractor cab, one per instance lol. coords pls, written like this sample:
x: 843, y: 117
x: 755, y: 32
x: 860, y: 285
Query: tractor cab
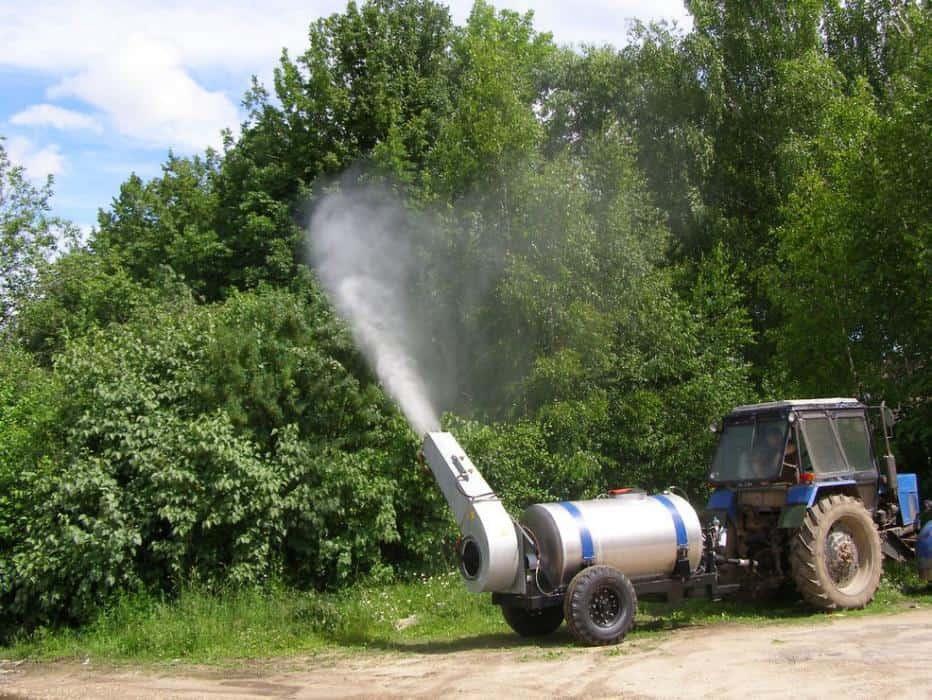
x: 787, y: 469
x: 784, y: 455
x: 784, y: 444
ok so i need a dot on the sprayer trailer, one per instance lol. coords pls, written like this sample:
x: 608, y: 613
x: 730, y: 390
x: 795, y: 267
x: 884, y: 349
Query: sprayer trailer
x: 798, y: 497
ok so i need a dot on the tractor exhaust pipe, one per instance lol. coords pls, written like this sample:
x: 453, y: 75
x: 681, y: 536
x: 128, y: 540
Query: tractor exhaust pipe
x: 886, y: 417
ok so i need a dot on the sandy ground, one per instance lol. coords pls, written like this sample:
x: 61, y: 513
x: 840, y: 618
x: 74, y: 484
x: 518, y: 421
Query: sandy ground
x: 883, y: 656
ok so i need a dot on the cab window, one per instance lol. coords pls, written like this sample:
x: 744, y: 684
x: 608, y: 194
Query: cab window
x: 854, y: 439
x: 751, y: 450
x: 821, y: 446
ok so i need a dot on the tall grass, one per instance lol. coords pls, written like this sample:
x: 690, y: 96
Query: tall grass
x: 204, y: 627
x: 426, y: 614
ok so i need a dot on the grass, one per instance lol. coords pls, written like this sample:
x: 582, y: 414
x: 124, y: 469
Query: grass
x: 428, y: 615
x: 202, y: 627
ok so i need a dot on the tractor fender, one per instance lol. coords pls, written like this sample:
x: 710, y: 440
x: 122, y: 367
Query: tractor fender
x: 907, y: 488
x: 724, y: 502
x: 802, y: 497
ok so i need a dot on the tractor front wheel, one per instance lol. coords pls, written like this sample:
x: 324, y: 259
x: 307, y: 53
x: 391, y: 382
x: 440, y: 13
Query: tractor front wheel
x: 835, y: 555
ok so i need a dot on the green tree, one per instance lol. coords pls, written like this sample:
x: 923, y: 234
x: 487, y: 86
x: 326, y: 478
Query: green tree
x: 582, y: 333
x: 82, y: 290
x: 871, y: 39
x: 372, y: 86
x: 28, y: 236
x: 225, y: 443
x: 28, y: 428
x: 750, y: 43
x: 660, y: 91
x: 854, y: 266
x: 498, y: 63
x: 168, y: 222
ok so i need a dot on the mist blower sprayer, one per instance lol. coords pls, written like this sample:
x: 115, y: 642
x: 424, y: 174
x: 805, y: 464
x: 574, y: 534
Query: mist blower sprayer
x: 778, y: 510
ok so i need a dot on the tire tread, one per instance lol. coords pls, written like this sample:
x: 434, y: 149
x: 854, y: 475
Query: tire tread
x: 576, y: 607
x: 803, y: 558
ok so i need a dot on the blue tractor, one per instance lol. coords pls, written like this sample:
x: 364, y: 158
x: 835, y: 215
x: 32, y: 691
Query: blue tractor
x: 801, y: 496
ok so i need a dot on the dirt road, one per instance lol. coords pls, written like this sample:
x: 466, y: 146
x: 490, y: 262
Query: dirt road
x: 864, y: 657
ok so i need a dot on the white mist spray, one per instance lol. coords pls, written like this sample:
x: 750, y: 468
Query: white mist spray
x: 363, y: 258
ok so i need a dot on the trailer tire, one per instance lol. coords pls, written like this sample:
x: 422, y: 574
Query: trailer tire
x: 600, y: 605
x: 835, y: 555
x: 533, y: 623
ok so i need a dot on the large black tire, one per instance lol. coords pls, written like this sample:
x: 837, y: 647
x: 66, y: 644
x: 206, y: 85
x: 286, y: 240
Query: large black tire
x: 835, y: 556
x: 600, y: 605
x: 533, y: 623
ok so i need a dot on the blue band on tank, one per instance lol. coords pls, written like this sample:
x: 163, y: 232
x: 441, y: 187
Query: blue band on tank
x: 681, y: 538
x: 588, y: 550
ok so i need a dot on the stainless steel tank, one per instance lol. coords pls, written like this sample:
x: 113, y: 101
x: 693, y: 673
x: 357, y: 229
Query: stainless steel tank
x: 637, y: 534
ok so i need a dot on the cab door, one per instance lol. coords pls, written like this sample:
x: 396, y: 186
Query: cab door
x: 836, y: 447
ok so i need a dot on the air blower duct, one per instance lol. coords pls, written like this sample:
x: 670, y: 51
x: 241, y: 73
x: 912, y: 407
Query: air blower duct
x: 488, y: 549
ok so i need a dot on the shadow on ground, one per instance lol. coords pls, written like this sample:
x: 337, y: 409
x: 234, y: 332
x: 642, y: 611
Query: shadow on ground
x: 494, y: 640
x: 653, y: 618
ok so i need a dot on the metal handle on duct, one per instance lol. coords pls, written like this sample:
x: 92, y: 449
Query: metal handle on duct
x: 488, y: 551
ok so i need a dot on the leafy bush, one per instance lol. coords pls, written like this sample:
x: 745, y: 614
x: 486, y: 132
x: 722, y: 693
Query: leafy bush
x: 521, y: 466
x: 225, y: 443
x: 27, y: 399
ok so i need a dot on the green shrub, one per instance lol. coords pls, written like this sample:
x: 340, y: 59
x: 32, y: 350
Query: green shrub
x: 27, y: 407
x: 224, y: 444
x: 521, y: 466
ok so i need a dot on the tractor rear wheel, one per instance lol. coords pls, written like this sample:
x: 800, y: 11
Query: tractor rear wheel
x: 600, y: 605
x: 835, y: 555
x: 533, y: 623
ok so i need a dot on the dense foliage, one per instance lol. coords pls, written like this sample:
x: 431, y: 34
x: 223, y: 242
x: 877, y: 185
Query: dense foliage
x: 624, y: 242
x: 28, y: 236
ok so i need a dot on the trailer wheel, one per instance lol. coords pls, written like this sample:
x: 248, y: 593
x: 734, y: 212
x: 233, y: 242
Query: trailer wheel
x: 533, y: 623
x: 600, y: 605
x: 835, y: 555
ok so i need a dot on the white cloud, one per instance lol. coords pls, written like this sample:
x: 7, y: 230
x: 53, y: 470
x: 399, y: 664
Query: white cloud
x: 136, y: 62
x: 142, y: 63
x: 84, y: 233
x: 39, y: 162
x: 148, y: 95
x: 69, y: 34
x: 57, y: 117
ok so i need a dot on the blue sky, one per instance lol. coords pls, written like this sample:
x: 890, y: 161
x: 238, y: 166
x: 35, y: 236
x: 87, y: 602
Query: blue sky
x: 92, y: 90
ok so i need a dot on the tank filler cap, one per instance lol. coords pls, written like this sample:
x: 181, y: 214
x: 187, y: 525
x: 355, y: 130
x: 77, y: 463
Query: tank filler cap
x: 627, y: 491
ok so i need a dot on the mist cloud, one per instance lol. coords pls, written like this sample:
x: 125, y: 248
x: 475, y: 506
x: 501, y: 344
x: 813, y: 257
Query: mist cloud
x: 360, y: 246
